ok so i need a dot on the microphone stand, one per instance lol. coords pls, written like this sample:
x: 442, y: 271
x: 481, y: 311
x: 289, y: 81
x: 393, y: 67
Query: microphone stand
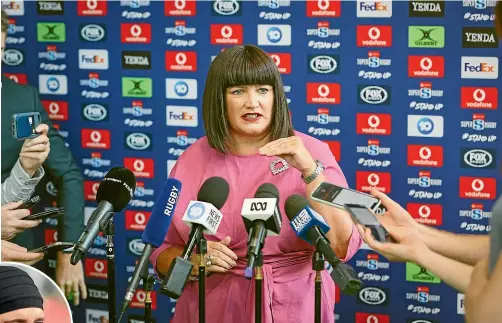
x: 258, y: 277
x: 201, y: 253
x: 109, y: 229
x: 318, y: 266
x: 150, y: 281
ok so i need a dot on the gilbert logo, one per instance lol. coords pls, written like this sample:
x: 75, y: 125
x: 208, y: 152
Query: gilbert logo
x: 484, y: 188
x: 479, y: 37
x: 374, y: 36
x: 323, y: 8
x: 366, y: 181
x: 94, y: 138
x: 141, y: 167
x: 373, y: 124
x: 327, y: 93
x: 179, y: 8
x: 426, y: 66
x: 475, y: 67
x: 283, y: 62
x: 92, y: 8
x: 136, y: 33
x: 231, y: 34
x: 428, y: 214
x: 372, y: 318
x: 425, y: 155
x: 57, y: 110
x: 479, y: 98
x: 181, y: 61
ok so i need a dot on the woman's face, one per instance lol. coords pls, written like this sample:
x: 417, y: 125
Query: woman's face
x: 249, y: 109
x: 24, y: 315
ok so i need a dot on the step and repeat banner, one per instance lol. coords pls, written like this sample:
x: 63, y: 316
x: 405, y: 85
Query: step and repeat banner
x: 405, y: 93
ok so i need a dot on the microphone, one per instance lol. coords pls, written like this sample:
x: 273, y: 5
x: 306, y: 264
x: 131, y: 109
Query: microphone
x: 202, y: 216
x: 261, y: 218
x: 311, y: 227
x: 154, y: 234
x: 114, y: 192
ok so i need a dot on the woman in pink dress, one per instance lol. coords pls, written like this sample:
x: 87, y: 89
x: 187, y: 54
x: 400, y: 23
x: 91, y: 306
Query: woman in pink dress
x: 248, y: 129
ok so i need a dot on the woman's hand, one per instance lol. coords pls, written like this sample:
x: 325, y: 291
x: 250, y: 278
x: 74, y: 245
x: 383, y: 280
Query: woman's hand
x: 12, y: 223
x: 293, y: 151
x: 219, y: 258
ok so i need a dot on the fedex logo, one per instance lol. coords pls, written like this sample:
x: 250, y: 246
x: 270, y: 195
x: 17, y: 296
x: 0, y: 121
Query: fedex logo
x: 141, y: 167
x: 374, y: 9
x: 328, y: 93
x: 323, y: 8
x: 427, y: 214
x: 474, y: 67
x: 374, y: 36
x: 366, y: 181
x: 479, y: 97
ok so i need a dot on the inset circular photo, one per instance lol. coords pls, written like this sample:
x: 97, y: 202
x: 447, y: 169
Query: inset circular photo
x: 28, y: 295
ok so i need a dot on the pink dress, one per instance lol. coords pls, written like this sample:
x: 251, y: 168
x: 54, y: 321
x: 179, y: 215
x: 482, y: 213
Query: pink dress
x: 288, y: 285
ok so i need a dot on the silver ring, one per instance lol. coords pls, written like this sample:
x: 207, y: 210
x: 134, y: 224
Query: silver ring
x: 209, y: 260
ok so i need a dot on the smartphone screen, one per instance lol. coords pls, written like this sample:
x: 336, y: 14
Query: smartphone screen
x: 26, y: 125
x: 57, y: 246
x: 339, y: 196
x: 364, y: 216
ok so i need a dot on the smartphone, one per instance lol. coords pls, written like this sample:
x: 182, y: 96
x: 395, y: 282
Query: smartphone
x: 362, y: 215
x: 24, y: 125
x: 45, y: 214
x: 29, y: 203
x: 57, y: 246
x: 337, y: 196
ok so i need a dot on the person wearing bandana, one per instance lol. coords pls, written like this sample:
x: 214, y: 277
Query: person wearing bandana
x: 20, y: 299
x: 250, y: 141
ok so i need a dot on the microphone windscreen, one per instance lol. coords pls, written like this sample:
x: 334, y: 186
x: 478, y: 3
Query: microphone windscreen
x: 294, y: 204
x: 162, y: 213
x: 214, y: 190
x: 117, y: 188
x: 267, y: 190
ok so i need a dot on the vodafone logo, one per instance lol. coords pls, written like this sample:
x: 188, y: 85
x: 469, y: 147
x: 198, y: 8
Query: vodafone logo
x: 180, y: 4
x: 135, y: 30
x: 282, y: 61
x: 477, y: 185
x: 181, y: 58
x: 95, y: 188
x: 92, y: 4
x: 372, y: 319
x: 96, y: 136
x: 374, y: 33
x: 139, y: 165
x: 425, y: 153
x: 57, y: 110
x: 276, y: 59
x: 140, y: 218
x: 424, y: 211
x: 99, y: 266
x: 373, y: 121
x: 323, y: 8
x: 92, y: 8
x: 54, y: 108
x: 426, y: 63
x: 141, y: 296
x: 323, y: 4
x: 373, y: 179
x: 323, y: 90
x: 14, y: 78
x: 226, y: 32
x: 479, y: 95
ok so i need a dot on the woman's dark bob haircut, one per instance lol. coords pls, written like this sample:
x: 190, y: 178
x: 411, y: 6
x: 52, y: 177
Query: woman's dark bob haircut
x: 241, y: 65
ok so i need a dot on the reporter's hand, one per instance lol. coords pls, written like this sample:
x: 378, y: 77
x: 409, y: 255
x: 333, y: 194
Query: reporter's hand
x: 395, y: 215
x: 220, y: 256
x: 35, y: 151
x: 15, y: 253
x: 11, y: 220
x: 407, y: 247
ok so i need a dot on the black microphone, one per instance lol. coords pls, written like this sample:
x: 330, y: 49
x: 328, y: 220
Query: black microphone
x: 311, y: 227
x: 203, y: 216
x: 114, y: 192
x: 261, y: 218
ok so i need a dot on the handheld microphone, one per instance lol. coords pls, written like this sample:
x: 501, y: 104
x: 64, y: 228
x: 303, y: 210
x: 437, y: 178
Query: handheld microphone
x: 114, y: 192
x: 311, y: 227
x: 154, y: 234
x: 261, y: 218
x: 201, y: 216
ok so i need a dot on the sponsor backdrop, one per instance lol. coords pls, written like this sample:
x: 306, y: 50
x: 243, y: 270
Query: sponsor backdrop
x: 405, y: 94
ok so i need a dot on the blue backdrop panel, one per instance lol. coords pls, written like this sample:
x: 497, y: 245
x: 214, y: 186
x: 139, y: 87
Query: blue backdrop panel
x: 405, y: 93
